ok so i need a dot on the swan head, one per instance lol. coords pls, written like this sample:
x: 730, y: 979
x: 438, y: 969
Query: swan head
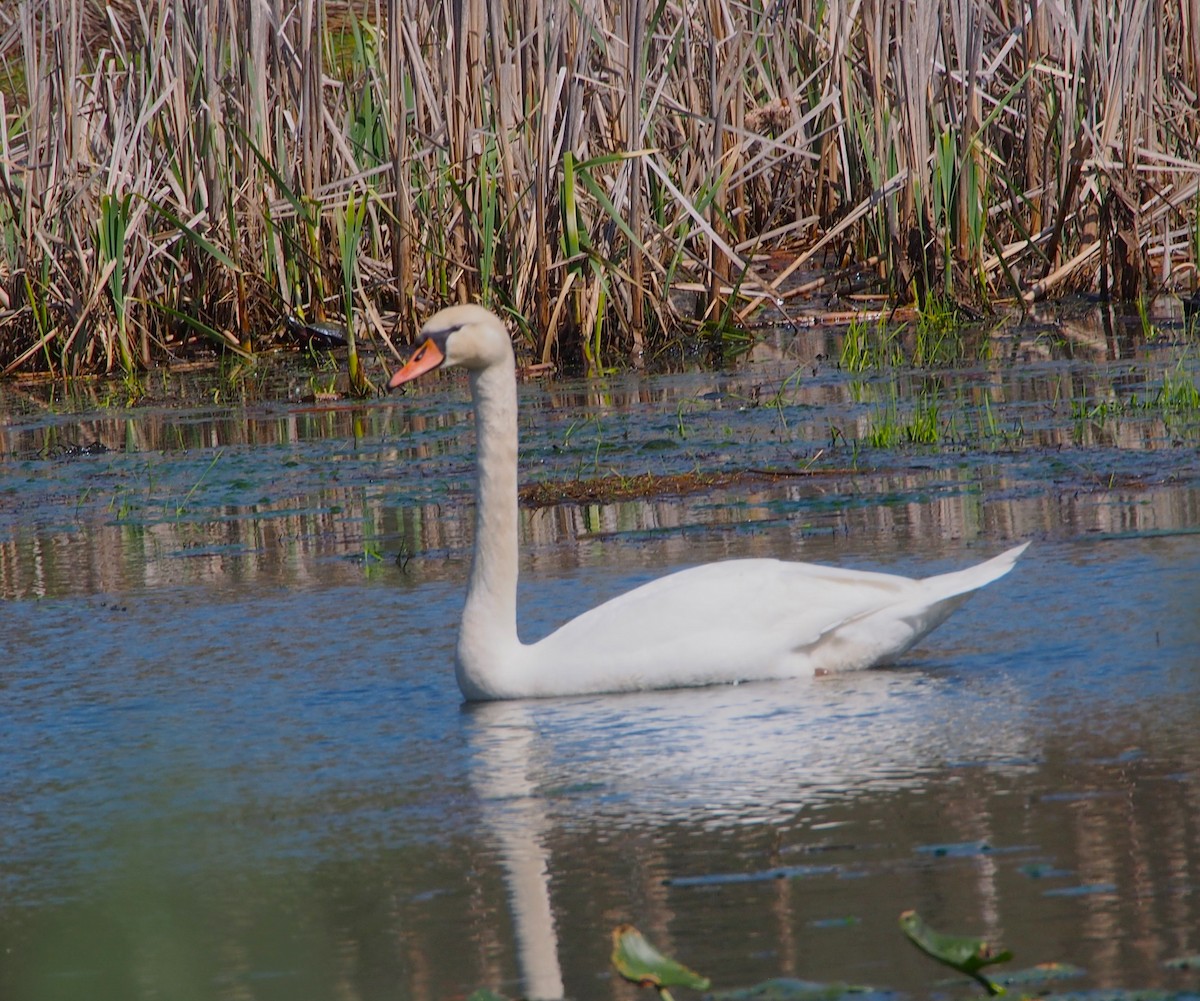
x: 469, y: 336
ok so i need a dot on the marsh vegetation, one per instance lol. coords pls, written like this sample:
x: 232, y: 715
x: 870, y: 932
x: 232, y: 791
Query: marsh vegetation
x: 609, y: 174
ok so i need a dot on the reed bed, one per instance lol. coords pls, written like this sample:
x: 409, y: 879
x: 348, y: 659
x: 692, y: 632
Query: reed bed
x: 606, y: 172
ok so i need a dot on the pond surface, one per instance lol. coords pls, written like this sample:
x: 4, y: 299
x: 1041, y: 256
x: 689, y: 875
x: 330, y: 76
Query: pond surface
x: 235, y: 763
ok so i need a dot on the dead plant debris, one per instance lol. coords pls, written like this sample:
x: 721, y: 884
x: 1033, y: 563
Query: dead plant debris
x: 614, y: 487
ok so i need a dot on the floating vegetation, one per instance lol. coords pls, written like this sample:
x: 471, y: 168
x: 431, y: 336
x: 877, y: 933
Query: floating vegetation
x: 1040, y: 974
x: 1086, y: 890
x: 962, y: 849
x: 640, y: 963
x: 960, y: 952
x: 1121, y: 994
x: 1043, y: 870
x: 605, y: 489
x: 850, y: 921
x: 762, y: 875
x: 791, y: 989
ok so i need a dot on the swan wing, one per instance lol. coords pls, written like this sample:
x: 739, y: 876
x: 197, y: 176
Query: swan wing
x: 746, y: 620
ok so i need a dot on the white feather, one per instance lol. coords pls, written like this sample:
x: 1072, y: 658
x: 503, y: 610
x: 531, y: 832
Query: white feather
x: 740, y: 620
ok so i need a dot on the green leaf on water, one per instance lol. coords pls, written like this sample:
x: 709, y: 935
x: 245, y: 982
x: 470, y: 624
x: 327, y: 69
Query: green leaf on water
x: 640, y: 963
x: 960, y: 952
x: 485, y: 994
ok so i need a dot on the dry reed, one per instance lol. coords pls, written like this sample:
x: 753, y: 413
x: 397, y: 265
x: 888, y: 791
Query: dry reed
x: 601, y: 170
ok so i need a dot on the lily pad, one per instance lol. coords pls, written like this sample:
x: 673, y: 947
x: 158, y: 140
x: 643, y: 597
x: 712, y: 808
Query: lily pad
x: 640, y: 963
x: 964, y: 953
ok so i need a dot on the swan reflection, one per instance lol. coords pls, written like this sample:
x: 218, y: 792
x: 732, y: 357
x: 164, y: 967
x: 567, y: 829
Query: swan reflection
x: 710, y: 758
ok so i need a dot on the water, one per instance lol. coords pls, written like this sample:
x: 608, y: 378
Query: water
x: 235, y: 763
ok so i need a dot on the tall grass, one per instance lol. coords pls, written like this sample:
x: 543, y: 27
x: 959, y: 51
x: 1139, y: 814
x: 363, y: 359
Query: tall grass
x: 603, y: 171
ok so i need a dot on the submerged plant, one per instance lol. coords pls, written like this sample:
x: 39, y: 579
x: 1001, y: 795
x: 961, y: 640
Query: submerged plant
x: 181, y: 507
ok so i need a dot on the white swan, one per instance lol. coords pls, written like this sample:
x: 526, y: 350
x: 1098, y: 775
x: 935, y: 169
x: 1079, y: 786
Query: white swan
x: 738, y: 620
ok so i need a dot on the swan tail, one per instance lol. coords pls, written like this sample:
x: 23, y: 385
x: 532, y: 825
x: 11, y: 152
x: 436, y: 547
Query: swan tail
x: 963, y: 582
x: 882, y: 635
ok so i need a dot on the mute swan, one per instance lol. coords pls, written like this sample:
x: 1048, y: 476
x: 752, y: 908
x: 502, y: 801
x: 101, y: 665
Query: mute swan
x: 738, y: 620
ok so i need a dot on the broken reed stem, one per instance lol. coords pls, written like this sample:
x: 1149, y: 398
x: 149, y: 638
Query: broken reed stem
x: 698, y: 135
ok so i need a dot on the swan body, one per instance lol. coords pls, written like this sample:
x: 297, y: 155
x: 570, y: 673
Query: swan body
x: 720, y: 623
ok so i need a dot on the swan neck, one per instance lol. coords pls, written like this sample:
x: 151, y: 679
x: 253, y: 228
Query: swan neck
x: 489, y: 624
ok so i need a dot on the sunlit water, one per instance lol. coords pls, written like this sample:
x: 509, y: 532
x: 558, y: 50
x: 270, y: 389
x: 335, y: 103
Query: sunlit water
x: 235, y: 763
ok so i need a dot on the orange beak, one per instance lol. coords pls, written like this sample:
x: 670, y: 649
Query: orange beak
x: 426, y: 358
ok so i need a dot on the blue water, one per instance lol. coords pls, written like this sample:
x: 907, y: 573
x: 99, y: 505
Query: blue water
x: 235, y: 762
x: 198, y: 737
